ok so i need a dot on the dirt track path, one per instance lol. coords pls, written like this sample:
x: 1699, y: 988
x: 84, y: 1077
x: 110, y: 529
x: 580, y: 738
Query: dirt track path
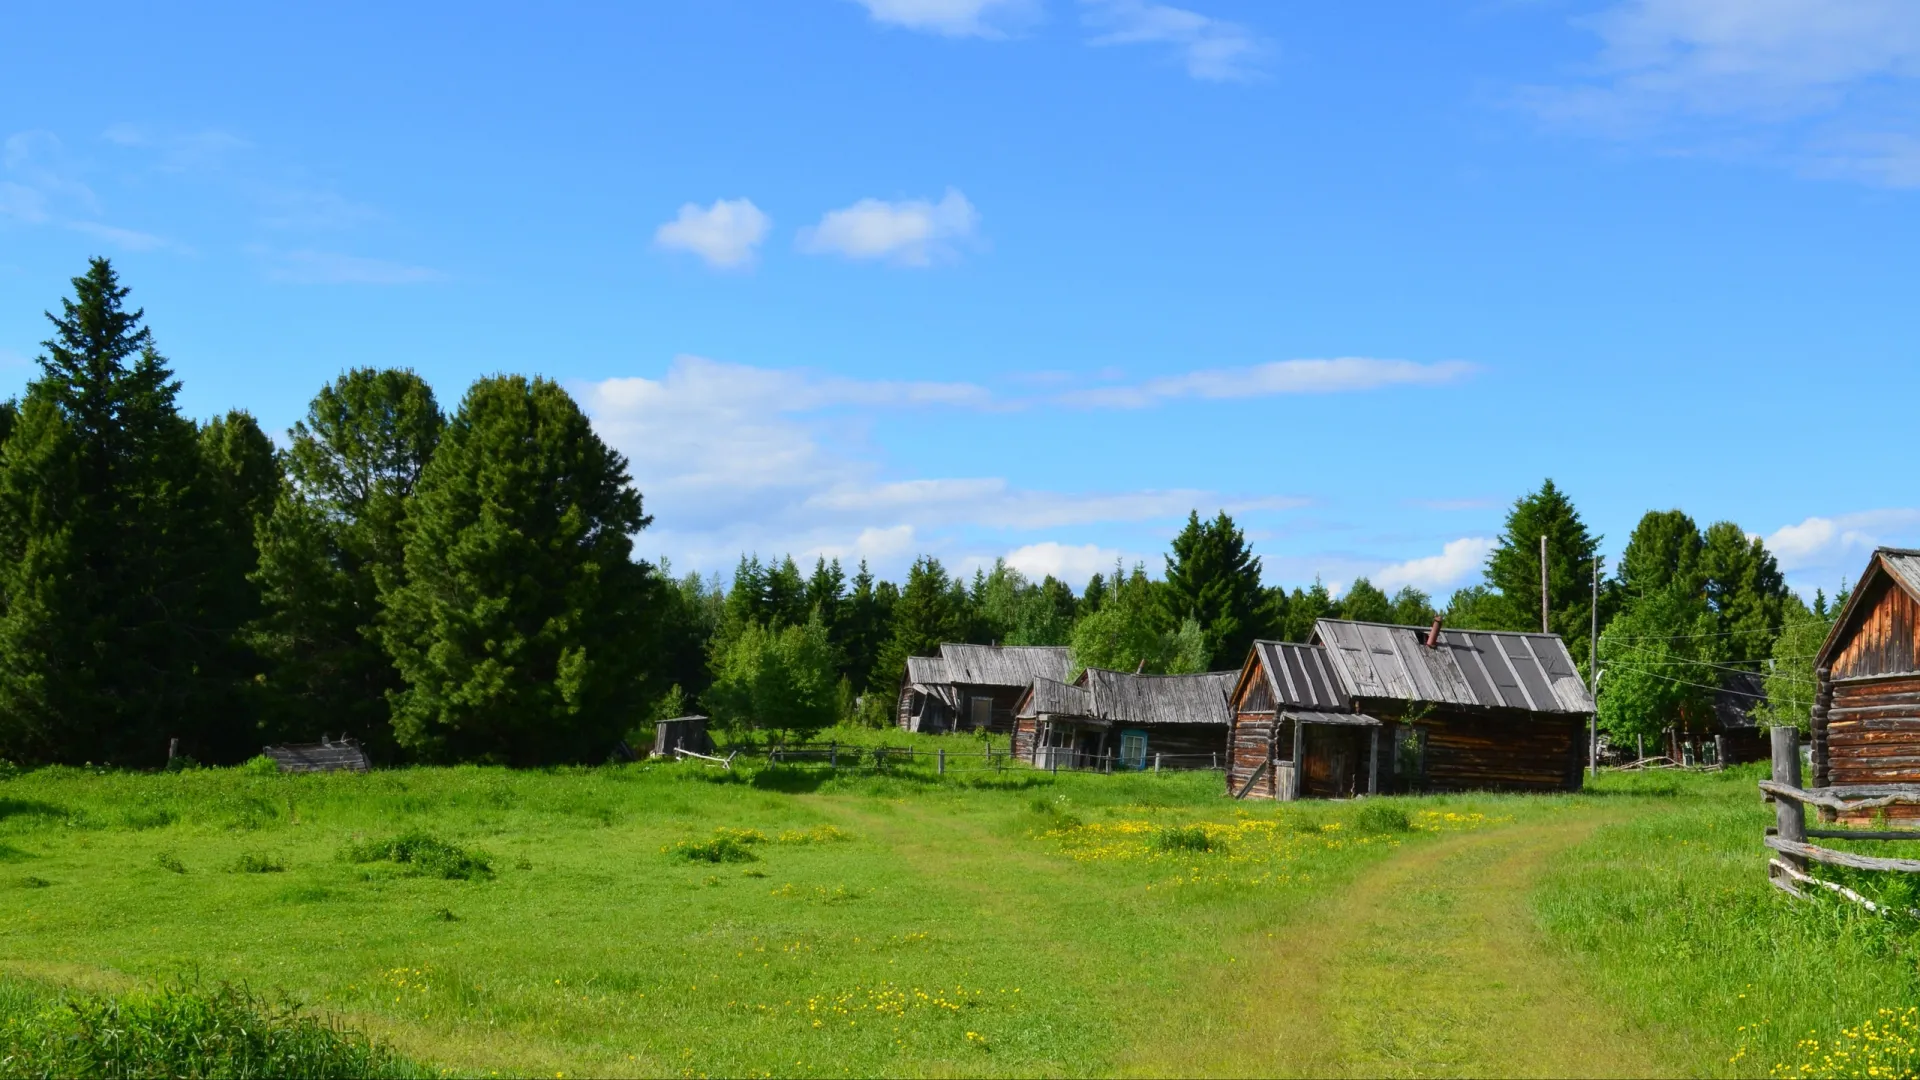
x: 1430, y: 964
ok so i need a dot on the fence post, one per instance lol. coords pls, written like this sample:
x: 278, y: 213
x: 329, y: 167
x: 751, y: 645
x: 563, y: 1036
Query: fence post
x: 833, y: 755
x: 1156, y: 763
x: 940, y: 766
x: 1789, y: 816
x: 1720, y: 751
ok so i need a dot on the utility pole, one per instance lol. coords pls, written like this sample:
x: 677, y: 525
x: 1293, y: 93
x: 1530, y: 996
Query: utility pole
x: 1543, y: 585
x: 1593, y: 672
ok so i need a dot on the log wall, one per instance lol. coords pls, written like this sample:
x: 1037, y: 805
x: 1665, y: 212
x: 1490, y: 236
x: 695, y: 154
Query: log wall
x: 1534, y: 753
x: 1248, y: 741
x: 1872, y: 735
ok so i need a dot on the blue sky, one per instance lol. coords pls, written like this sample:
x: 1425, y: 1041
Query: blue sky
x: 1031, y: 278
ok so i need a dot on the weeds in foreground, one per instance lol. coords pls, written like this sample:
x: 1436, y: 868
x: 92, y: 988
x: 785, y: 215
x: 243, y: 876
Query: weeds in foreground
x: 258, y: 864
x: 424, y: 854
x: 1884, y: 1045
x: 182, y: 1029
x: 170, y: 862
x: 736, y: 845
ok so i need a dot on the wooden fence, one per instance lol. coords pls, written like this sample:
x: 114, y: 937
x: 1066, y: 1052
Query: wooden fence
x: 834, y: 755
x: 1789, y: 835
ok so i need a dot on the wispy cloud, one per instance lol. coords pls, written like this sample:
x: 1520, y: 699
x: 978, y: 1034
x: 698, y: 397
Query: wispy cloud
x: 1449, y: 505
x: 912, y: 232
x: 333, y: 268
x: 1349, y: 373
x: 724, y: 234
x: 43, y: 186
x: 954, y: 18
x: 1820, y: 86
x: 1071, y: 563
x: 741, y: 458
x: 1212, y: 49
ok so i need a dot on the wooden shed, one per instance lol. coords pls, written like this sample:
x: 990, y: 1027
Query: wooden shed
x: 1375, y: 708
x: 1866, y: 706
x: 974, y: 687
x: 327, y: 755
x: 1128, y: 721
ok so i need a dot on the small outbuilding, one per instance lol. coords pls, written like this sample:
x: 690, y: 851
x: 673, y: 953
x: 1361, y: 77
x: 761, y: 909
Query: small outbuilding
x: 1124, y: 720
x: 974, y: 687
x: 327, y: 755
x: 1365, y: 708
x: 1866, y: 706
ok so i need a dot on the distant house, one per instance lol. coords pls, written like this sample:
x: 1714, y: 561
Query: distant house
x: 974, y: 687
x: 1866, y: 705
x: 1123, y: 720
x: 1371, y: 708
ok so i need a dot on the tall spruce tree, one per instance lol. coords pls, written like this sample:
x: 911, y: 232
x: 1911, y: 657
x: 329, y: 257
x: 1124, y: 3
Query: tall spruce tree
x: 1663, y: 552
x: 929, y: 611
x: 1513, y: 568
x: 1214, y: 579
x: 522, y: 622
x: 242, y: 475
x: 352, y: 465
x: 1745, y: 588
x: 110, y: 551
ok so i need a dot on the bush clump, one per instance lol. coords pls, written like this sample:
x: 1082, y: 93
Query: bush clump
x: 725, y: 846
x: 260, y: 765
x: 424, y: 854
x: 258, y: 864
x: 1379, y: 818
x: 1185, y: 838
x: 183, y: 1030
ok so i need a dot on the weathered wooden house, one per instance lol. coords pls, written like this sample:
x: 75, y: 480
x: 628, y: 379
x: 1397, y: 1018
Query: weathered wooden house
x: 974, y: 687
x: 1866, y: 706
x: 1370, y: 708
x: 1113, y: 718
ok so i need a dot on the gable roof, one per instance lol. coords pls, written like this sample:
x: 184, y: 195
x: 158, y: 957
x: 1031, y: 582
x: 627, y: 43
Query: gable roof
x: 1124, y: 698
x: 1297, y: 676
x: 1055, y: 698
x: 1481, y: 668
x: 1900, y: 565
x: 1004, y: 665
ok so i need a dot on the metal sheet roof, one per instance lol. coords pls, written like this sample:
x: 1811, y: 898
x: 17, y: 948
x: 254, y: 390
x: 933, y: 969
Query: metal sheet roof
x: 1483, y: 668
x: 1125, y: 698
x: 1004, y: 665
x: 1351, y: 719
x: 1299, y: 675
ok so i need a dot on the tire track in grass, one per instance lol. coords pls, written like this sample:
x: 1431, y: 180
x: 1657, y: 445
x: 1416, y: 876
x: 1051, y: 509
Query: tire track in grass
x: 1430, y: 964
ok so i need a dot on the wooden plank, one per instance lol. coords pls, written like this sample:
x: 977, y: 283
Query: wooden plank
x: 1873, y: 796
x: 1842, y: 858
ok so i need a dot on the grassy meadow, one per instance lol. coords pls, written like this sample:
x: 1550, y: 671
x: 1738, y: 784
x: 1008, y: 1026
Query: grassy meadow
x: 674, y: 919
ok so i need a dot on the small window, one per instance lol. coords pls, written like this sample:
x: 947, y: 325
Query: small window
x: 1133, y: 749
x: 1409, y: 752
x: 982, y: 712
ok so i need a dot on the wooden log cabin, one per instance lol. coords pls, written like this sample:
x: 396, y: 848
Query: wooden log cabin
x: 1365, y: 708
x: 1124, y: 720
x: 1866, y: 706
x: 974, y: 687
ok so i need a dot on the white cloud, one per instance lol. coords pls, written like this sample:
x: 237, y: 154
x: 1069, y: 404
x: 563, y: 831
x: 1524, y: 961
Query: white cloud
x: 724, y: 234
x: 1071, y: 563
x: 131, y: 239
x: 1824, y: 87
x: 1212, y: 49
x: 1449, y: 505
x: 333, y: 268
x: 734, y: 459
x: 1278, y: 377
x: 1841, y: 542
x: 954, y: 18
x: 913, y: 232
x: 1457, y: 561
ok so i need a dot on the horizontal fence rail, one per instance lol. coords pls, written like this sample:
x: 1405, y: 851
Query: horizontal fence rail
x: 1789, y: 834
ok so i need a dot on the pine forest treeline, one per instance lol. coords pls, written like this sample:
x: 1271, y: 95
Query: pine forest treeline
x: 461, y: 586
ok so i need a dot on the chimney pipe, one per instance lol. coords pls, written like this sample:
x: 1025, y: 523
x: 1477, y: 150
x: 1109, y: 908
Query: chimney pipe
x: 1433, y: 634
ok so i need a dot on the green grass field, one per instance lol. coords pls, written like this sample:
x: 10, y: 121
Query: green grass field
x: 660, y: 919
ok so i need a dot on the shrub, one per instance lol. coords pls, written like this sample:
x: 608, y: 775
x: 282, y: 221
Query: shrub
x: 181, y: 763
x: 424, y: 854
x: 1380, y: 818
x: 1185, y: 838
x: 259, y: 864
x: 167, y: 860
x: 727, y: 845
x: 260, y: 765
x: 184, y: 1030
